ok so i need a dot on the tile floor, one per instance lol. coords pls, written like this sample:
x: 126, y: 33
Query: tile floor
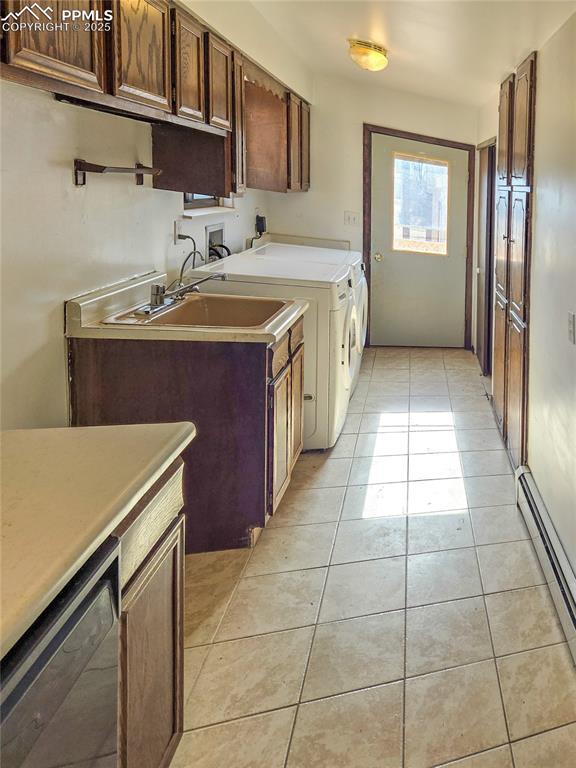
x: 393, y: 613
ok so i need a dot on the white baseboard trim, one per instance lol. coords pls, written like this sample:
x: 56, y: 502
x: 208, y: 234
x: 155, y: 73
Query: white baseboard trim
x: 556, y: 566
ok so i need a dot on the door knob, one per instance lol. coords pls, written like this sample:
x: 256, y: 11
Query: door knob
x: 378, y: 257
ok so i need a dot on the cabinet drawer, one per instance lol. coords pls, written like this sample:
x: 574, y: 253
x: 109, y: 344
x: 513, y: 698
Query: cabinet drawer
x: 278, y: 356
x: 296, y: 335
x: 148, y: 521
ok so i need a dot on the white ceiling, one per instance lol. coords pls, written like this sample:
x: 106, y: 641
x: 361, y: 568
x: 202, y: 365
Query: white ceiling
x: 458, y: 51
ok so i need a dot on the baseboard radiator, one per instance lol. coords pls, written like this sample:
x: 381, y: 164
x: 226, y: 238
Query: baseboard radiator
x: 556, y: 566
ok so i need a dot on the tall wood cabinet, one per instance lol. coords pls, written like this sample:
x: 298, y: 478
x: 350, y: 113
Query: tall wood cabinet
x: 512, y: 256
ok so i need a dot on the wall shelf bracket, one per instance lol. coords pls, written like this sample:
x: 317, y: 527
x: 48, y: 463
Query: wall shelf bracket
x: 81, y: 168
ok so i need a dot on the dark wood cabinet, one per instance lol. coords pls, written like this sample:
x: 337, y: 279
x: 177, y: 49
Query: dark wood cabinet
x: 239, y: 127
x: 189, y: 66
x: 305, y: 146
x: 505, y: 115
x: 219, y: 82
x: 74, y: 56
x: 523, y: 123
x: 266, y: 139
x: 501, y: 234
x: 499, y: 360
x: 515, y: 392
x: 141, y: 52
x: 280, y: 438
x: 518, y: 242
x: 151, y: 656
x: 294, y: 143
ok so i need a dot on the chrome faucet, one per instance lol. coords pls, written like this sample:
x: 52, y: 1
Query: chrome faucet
x: 161, y: 298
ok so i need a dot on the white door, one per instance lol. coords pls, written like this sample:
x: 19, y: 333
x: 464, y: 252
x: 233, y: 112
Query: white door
x: 418, y: 238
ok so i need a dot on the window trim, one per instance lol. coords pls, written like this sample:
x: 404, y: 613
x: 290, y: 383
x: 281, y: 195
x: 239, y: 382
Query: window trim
x: 432, y: 161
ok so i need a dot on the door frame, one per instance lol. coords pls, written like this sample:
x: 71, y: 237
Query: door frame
x: 369, y: 129
x: 488, y: 257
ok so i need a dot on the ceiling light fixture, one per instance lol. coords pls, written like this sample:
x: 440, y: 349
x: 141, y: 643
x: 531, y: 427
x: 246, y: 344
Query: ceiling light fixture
x: 368, y: 55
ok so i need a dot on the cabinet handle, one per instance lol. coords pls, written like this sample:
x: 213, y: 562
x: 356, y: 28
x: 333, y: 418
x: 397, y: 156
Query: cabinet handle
x: 504, y: 237
x: 511, y: 241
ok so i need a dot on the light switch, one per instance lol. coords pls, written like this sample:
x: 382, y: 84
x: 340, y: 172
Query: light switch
x: 572, y: 327
x: 352, y: 218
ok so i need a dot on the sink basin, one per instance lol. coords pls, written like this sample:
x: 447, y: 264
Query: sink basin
x: 211, y: 310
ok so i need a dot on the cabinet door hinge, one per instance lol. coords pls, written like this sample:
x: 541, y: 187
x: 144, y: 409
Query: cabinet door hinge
x: 173, y: 26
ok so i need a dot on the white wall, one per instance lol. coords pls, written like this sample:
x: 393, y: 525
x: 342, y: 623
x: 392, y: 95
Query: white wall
x: 552, y: 383
x: 488, y: 119
x: 59, y: 240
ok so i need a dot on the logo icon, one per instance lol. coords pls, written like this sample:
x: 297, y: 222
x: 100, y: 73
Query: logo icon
x: 35, y: 10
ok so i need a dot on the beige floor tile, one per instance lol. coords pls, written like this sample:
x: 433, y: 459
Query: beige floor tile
x: 556, y: 749
x: 490, y: 490
x: 365, y: 501
x: 356, y: 653
x: 523, y: 619
x: 427, y: 404
x: 440, y: 576
x: 386, y: 403
x: 539, y: 690
x: 494, y: 525
x: 210, y: 567
x: 344, y: 448
x: 453, y: 714
x: 274, y: 602
x: 388, y: 389
x: 319, y: 505
x: 418, y: 377
x: 355, y: 730
x: 476, y: 463
x: 357, y: 589
x: 379, y: 469
x: 399, y: 375
x: 382, y: 444
x: 436, y: 496
x: 437, y: 388
x: 501, y: 757
x: 292, y: 549
x: 369, y: 539
x: 245, y: 677
x: 351, y: 423
x: 432, y: 420
x: 446, y: 635
x: 194, y: 659
x: 509, y: 566
x: 356, y: 404
x: 466, y: 387
x: 479, y: 440
x: 432, y: 442
x: 474, y: 420
x: 314, y: 470
x: 434, y: 466
x: 259, y: 741
x: 469, y: 404
x: 430, y: 533
x: 384, y: 422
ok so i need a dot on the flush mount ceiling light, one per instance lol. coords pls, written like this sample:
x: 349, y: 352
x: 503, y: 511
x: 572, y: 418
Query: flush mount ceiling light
x: 368, y: 55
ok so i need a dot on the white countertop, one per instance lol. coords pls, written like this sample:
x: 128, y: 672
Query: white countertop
x: 63, y: 492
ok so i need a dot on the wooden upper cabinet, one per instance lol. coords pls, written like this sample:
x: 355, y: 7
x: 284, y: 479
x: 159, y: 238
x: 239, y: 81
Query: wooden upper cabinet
x: 142, y: 66
x: 72, y: 56
x: 519, y: 218
x: 505, y: 113
x: 219, y: 82
x: 523, y: 123
x: 239, y: 127
x: 266, y: 139
x: 294, y: 144
x: 189, y: 66
x: 501, y: 242
x: 305, y: 146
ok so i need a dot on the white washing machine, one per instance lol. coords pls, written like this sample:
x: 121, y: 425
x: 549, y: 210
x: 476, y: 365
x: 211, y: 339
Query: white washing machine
x: 307, y: 254
x: 329, y: 329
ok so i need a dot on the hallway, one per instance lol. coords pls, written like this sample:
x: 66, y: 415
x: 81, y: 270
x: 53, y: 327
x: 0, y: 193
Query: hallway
x: 393, y: 613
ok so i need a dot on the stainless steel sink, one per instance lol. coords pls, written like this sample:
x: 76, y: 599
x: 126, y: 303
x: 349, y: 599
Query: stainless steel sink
x: 210, y: 310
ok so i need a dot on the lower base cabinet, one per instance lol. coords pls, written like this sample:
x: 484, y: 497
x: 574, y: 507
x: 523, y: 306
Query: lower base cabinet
x: 499, y: 361
x: 515, y: 419
x: 151, y: 656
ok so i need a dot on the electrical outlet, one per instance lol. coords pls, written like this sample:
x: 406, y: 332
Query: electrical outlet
x: 572, y: 327
x: 352, y: 219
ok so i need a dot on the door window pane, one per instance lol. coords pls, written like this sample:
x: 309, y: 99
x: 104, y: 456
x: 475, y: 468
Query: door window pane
x: 420, y: 205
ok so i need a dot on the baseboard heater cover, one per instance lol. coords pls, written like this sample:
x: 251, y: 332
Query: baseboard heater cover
x: 556, y: 566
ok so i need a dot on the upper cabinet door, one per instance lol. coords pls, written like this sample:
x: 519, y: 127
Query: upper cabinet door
x: 501, y: 243
x: 74, y: 56
x: 505, y: 111
x: 239, y: 127
x: 294, y: 144
x: 219, y: 82
x: 518, y: 253
x: 189, y: 67
x: 305, y: 146
x: 142, y: 52
x: 523, y: 125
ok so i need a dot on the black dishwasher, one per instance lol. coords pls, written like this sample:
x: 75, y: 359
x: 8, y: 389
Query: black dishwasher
x: 59, y: 684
